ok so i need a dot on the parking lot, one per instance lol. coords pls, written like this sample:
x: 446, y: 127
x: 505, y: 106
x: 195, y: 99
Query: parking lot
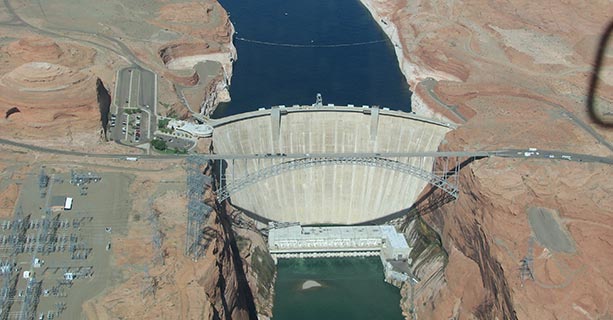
x: 130, y: 127
x: 134, y: 107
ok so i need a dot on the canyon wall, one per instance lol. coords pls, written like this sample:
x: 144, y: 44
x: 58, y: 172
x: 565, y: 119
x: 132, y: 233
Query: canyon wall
x: 154, y: 279
x: 516, y: 73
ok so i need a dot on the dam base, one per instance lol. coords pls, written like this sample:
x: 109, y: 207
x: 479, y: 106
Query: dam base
x: 291, y: 241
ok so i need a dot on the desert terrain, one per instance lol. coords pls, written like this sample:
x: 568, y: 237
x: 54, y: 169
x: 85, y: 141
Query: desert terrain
x: 144, y: 271
x: 58, y: 50
x: 511, y: 75
x: 57, y: 61
x: 514, y: 74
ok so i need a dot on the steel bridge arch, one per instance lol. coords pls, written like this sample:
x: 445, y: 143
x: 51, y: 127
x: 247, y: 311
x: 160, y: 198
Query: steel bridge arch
x: 225, y: 191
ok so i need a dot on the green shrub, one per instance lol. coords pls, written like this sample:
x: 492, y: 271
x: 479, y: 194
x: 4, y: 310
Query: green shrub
x: 159, y: 144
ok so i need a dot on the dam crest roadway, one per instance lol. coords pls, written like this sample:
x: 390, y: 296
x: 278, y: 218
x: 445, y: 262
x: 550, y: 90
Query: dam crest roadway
x: 330, y: 188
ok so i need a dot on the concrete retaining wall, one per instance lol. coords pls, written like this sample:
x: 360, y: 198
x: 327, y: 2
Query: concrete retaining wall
x: 329, y: 194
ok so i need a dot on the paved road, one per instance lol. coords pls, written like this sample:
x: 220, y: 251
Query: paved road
x: 509, y: 153
x: 429, y: 84
x: 124, y: 50
x: 552, y: 155
x: 586, y: 127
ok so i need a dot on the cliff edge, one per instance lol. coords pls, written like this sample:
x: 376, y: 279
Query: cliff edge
x: 527, y: 239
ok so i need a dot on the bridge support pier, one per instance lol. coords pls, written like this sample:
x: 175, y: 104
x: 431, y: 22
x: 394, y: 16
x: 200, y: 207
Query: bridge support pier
x: 374, y: 123
x: 275, y: 118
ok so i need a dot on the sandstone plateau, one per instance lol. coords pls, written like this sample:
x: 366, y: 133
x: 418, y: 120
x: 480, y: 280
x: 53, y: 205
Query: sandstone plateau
x: 59, y: 58
x: 512, y: 74
x: 58, y: 50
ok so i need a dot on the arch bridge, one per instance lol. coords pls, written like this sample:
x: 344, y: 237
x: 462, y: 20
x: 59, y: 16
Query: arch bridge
x: 445, y: 179
x: 346, y: 174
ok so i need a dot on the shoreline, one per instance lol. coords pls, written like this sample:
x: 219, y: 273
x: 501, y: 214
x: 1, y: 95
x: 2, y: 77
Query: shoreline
x: 217, y: 90
x: 221, y: 91
x: 413, y: 73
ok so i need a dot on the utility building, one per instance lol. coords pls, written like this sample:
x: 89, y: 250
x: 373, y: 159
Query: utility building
x: 59, y: 203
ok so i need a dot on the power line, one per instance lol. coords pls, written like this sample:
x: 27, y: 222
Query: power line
x: 297, y: 45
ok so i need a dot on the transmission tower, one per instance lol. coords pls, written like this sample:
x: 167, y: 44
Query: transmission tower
x: 527, y: 263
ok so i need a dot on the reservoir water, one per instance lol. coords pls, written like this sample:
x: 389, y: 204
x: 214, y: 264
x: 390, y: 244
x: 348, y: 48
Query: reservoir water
x: 288, y: 51
x: 351, y: 288
x: 267, y: 74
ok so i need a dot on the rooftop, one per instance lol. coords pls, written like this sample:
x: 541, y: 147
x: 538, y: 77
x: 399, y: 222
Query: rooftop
x: 58, y: 201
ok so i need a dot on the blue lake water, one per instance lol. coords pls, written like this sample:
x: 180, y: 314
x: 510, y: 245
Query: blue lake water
x: 267, y: 75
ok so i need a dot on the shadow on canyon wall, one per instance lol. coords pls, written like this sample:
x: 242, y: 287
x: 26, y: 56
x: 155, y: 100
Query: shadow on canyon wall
x: 606, y: 118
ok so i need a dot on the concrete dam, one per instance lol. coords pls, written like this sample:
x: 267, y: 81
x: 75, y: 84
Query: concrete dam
x: 343, y: 193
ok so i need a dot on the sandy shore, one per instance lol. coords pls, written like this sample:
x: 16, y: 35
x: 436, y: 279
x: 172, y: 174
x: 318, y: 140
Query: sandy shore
x: 412, y: 72
x: 310, y: 284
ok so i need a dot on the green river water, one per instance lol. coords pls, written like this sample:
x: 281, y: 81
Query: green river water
x: 351, y: 288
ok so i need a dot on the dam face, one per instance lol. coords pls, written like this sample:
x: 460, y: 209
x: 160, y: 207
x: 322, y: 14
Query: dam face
x: 332, y: 194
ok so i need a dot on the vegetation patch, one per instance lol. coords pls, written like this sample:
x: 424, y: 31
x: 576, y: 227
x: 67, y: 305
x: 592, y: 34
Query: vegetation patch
x: 264, y: 267
x: 159, y: 144
x: 162, y: 123
x: 428, y: 242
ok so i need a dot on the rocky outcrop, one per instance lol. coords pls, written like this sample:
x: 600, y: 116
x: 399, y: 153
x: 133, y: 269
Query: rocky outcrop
x: 182, y: 55
x: 462, y: 228
x: 226, y: 288
x: 258, y: 263
x: 172, y: 51
x: 485, y: 235
x: 513, y: 74
x: 104, y: 104
x: 216, y: 91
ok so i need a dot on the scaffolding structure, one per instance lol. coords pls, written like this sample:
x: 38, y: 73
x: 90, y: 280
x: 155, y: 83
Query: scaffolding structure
x: 527, y: 264
x: 30, y: 300
x: 19, y: 227
x: 197, y: 211
x: 43, y: 182
x: 47, y: 237
x: 10, y: 275
x: 82, y: 179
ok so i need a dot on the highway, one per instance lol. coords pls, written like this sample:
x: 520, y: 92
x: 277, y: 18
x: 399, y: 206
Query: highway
x: 552, y: 155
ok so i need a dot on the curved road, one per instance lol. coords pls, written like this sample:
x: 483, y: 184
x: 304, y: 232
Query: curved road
x: 126, y: 52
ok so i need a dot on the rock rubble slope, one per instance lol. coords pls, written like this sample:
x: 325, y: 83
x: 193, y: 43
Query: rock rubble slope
x: 513, y: 74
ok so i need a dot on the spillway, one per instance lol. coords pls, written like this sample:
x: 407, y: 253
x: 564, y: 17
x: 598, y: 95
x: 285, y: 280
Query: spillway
x: 331, y: 194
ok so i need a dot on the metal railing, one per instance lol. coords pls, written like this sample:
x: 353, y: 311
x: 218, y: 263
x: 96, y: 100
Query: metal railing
x: 237, y: 184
